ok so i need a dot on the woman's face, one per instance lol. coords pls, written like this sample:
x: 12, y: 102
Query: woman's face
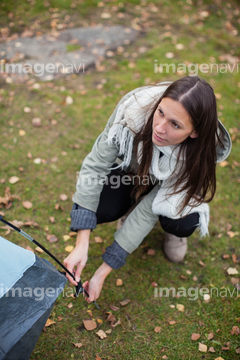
x: 171, y: 123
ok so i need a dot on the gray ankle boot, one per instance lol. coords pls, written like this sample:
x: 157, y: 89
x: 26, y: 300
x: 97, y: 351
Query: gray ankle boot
x: 175, y: 248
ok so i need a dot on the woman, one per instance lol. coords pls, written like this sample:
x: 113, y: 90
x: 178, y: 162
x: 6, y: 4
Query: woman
x: 161, y: 144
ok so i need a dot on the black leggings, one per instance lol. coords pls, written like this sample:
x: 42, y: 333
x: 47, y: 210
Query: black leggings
x: 116, y: 200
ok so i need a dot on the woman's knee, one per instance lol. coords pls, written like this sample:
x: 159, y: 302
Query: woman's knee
x: 183, y: 227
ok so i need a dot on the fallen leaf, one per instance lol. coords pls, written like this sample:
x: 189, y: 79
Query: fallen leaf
x: 52, y: 238
x: 111, y: 318
x: 234, y: 259
x: 22, y: 132
x: 98, y: 239
x: 59, y: 318
x: 235, y: 330
x: 232, y: 271
x: 69, y: 248
x: 36, y: 122
x: 202, y: 347
x: 157, y: 329
x: 172, y: 322
x: 90, y: 312
x: 124, y: 302
x: 231, y: 234
x: 78, y: 345
x: 50, y: 322
x: 29, y: 248
x: 119, y: 282
x: 13, y: 179
x: 38, y: 249
x: 69, y: 100
x: 70, y: 305
x: 235, y: 281
x: 52, y: 219
x: 206, y: 297
x: 195, y: 336
x: 195, y: 278
x: 26, y: 109
x: 89, y: 325
x: 210, y: 336
x: 30, y: 223
x: 225, y: 256
x: 116, y: 323
x: 212, y: 350
x: 27, y: 204
x: 151, y: 252
x: 154, y: 284
x: 201, y: 263
x: 101, y: 334
x: 219, y: 358
x: 114, y: 308
x: 164, y: 357
x: 225, y: 348
x: 223, y: 163
x: 63, y: 197
x: 238, y: 350
x: 98, y: 357
x: 180, y: 307
x: 108, y: 331
x: 99, y: 321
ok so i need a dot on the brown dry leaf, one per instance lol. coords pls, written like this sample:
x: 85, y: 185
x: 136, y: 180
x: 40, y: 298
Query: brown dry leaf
x: 98, y: 357
x: 69, y: 248
x: 119, y: 282
x: 108, y: 331
x: 154, y: 284
x: 231, y: 234
x: 78, y: 345
x: 235, y: 281
x: 172, y: 322
x: 38, y: 249
x: 89, y: 325
x: 195, y: 278
x: 210, y: 336
x: 225, y: 348
x: 219, y: 358
x: 90, y: 312
x: 50, y: 322
x: 52, y: 219
x: 212, y: 350
x: 98, y: 239
x: 70, y: 305
x: 27, y: 204
x: 235, y: 330
x: 116, y: 324
x: 30, y: 223
x: 201, y: 263
x: 164, y: 357
x: 234, y: 259
x: 180, y: 307
x: 59, y: 318
x: 111, y: 318
x: 224, y: 163
x: 58, y: 207
x: 29, y: 248
x: 232, y: 271
x: 157, y: 329
x: 225, y: 256
x: 238, y: 350
x: 114, y: 308
x: 124, y: 302
x: 101, y: 334
x: 13, y: 179
x: 63, y: 197
x: 202, y: 347
x: 183, y: 277
x: 72, y: 233
x: 195, y: 336
x: 151, y: 252
x: 52, y: 238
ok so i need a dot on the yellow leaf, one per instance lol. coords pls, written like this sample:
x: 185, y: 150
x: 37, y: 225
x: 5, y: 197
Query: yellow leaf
x: 50, y: 322
x: 69, y: 248
x: 180, y: 307
x: 119, y: 282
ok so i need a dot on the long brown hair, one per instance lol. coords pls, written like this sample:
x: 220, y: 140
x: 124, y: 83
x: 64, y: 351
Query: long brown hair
x: 198, y: 174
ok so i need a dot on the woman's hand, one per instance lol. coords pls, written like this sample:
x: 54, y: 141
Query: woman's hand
x: 94, y: 286
x: 76, y: 261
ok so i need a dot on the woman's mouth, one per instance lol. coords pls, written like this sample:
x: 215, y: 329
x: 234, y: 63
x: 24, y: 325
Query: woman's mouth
x: 158, y: 138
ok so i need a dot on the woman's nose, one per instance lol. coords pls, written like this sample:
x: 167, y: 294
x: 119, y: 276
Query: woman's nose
x: 161, y: 127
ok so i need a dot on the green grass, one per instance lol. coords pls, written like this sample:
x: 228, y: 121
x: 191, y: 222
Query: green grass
x: 63, y: 145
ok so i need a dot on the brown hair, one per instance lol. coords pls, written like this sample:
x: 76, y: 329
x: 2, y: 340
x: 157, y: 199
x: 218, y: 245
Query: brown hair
x: 198, y: 174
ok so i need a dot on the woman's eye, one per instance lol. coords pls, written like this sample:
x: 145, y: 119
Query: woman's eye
x: 175, y: 125
x: 160, y: 112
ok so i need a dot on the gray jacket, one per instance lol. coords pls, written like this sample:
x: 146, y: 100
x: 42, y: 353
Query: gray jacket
x: 95, y: 167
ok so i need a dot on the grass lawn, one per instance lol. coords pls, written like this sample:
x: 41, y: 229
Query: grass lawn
x: 195, y: 32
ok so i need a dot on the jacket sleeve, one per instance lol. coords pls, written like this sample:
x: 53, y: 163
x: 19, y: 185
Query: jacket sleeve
x: 138, y: 223
x: 96, y: 166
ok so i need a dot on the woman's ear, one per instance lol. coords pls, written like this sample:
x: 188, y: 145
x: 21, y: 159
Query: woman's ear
x: 194, y: 135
